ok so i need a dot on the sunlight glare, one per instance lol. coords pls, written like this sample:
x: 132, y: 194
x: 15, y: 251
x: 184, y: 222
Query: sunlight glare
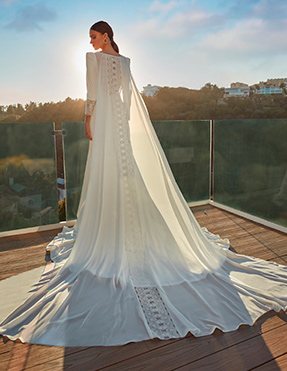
x: 79, y: 59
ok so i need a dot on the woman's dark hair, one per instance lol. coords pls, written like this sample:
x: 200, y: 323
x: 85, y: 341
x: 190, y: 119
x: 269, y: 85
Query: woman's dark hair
x: 103, y: 27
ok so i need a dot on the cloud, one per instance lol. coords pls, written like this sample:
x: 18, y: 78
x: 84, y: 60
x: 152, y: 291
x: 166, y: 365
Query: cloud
x: 185, y: 22
x: 8, y: 2
x: 30, y: 17
x: 157, y: 6
x: 243, y: 28
x: 239, y: 9
x: 268, y: 9
x: 262, y: 33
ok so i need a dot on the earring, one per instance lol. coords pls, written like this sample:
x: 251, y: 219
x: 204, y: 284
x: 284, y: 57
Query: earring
x: 105, y: 41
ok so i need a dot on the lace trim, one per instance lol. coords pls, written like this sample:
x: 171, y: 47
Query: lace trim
x: 156, y: 313
x: 114, y: 75
x: 90, y: 105
x: 133, y: 241
x: 157, y: 316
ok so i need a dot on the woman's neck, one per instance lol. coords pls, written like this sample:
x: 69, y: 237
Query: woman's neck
x: 109, y: 50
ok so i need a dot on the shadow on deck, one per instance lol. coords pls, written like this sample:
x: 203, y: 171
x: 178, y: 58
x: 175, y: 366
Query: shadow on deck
x: 260, y: 347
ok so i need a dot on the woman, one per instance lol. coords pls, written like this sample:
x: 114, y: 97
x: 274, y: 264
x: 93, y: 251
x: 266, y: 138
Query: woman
x: 137, y: 265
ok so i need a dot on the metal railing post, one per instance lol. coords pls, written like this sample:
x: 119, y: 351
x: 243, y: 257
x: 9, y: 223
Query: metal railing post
x: 211, y: 174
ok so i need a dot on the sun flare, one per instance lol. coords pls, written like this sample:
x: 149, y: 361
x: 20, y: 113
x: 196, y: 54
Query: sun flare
x: 80, y: 51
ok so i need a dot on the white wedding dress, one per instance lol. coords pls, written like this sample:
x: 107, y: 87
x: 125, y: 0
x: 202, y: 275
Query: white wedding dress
x: 137, y: 265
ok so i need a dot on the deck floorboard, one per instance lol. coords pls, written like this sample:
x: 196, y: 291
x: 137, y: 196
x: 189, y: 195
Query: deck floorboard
x: 261, y: 347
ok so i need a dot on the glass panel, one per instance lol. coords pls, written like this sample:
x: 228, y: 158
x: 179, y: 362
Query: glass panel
x: 187, y: 148
x: 251, y: 167
x: 28, y: 188
x: 75, y: 152
x: 186, y: 145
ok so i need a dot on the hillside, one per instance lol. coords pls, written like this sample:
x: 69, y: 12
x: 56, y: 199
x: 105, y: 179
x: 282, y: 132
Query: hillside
x: 168, y: 104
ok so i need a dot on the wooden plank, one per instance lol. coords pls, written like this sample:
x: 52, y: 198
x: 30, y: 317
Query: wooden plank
x: 192, y: 349
x: 5, y: 345
x: 91, y: 358
x: 249, y: 242
x: 18, y: 356
x: 28, y: 239
x: 255, y: 250
x: 270, y: 232
x: 246, y: 355
x: 266, y: 323
x: 24, y: 252
x: 154, y: 353
x: 281, y: 260
x: 100, y: 357
x: 157, y: 343
x: 279, y: 363
x: 278, y: 248
x: 248, y: 224
x: 4, y: 361
x: 257, y: 253
x: 21, y: 260
x: 32, y: 355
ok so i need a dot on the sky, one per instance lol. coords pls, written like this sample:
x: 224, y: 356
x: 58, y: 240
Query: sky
x: 170, y: 43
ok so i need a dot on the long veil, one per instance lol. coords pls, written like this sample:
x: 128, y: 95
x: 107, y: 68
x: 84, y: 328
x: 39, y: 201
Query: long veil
x: 137, y: 265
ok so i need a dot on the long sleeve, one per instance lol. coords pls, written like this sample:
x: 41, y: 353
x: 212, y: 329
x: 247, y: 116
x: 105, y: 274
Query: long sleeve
x: 91, y: 79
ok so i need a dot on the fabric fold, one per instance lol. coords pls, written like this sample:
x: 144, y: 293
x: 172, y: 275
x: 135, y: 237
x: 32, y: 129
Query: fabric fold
x: 137, y: 265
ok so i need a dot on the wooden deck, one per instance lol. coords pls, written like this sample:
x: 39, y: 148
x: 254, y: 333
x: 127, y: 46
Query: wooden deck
x: 260, y: 347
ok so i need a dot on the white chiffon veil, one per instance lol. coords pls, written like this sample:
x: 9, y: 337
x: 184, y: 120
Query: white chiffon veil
x: 137, y: 265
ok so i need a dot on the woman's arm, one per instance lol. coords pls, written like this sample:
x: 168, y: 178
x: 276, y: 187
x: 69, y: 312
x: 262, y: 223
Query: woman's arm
x: 91, y: 78
x: 87, y: 127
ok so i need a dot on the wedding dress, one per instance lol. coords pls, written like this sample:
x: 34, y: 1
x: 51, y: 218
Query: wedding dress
x: 137, y: 265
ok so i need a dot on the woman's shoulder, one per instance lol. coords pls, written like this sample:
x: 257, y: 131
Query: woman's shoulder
x: 90, y: 56
x: 97, y: 58
x: 110, y: 55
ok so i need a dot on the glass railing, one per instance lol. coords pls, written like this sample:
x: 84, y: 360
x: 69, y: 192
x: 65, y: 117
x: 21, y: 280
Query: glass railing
x: 187, y: 147
x: 28, y: 188
x: 185, y: 143
x: 75, y: 152
x: 250, y: 167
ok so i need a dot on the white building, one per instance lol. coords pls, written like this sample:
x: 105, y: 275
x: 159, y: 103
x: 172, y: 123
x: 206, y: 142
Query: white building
x: 267, y: 90
x: 150, y: 90
x: 243, y: 91
x: 271, y: 82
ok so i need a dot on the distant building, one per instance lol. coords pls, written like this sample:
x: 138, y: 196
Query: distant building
x: 271, y: 82
x: 268, y: 89
x: 237, y: 89
x: 150, y: 90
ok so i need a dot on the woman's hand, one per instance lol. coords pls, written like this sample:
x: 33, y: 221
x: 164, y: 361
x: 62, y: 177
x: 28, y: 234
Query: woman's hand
x: 87, y: 128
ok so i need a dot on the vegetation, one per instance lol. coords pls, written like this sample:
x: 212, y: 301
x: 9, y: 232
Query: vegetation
x: 69, y: 110
x: 168, y: 104
x: 208, y: 103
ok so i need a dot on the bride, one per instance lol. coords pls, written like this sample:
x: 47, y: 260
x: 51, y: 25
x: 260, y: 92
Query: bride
x: 137, y: 265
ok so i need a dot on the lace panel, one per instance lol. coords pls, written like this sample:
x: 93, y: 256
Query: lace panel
x: 156, y: 313
x: 114, y: 75
x: 90, y: 105
x: 157, y: 316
